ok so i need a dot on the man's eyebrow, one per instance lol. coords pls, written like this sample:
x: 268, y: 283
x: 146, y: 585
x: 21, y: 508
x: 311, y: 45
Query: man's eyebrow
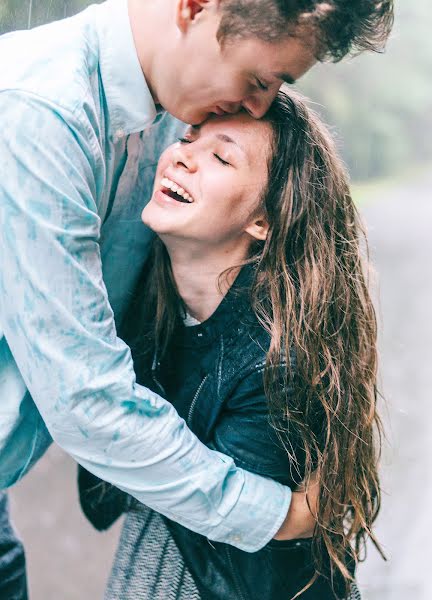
x: 286, y: 77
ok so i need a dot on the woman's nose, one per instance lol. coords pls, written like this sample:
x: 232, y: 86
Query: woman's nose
x: 183, y: 158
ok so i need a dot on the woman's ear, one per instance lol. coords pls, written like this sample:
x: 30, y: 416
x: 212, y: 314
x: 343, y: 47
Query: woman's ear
x: 187, y: 11
x: 258, y: 229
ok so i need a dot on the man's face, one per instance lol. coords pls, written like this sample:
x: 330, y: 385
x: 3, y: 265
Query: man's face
x: 205, y: 78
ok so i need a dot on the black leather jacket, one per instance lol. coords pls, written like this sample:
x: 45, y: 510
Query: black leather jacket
x: 213, y: 375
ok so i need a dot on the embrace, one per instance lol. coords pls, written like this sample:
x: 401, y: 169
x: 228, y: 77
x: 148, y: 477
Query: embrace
x: 185, y: 309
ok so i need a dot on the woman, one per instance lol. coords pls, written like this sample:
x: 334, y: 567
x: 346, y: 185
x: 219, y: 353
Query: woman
x: 256, y: 323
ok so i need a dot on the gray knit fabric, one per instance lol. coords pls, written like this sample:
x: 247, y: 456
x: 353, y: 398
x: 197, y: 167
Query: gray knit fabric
x: 148, y: 564
x: 354, y: 593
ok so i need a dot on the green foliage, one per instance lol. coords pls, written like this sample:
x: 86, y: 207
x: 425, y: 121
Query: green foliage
x: 381, y: 105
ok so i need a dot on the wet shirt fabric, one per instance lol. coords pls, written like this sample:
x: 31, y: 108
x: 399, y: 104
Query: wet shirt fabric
x: 79, y: 141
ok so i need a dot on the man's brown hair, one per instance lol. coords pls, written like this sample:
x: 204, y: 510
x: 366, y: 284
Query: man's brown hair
x: 339, y: 27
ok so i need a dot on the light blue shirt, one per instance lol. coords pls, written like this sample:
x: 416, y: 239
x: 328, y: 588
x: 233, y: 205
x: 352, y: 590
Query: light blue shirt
x: 79, y: 141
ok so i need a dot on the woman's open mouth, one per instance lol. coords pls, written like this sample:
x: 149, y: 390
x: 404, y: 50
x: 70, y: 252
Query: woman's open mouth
x: 175, y: 191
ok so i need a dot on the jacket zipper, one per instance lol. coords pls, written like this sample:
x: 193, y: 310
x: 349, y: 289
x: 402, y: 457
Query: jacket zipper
x: 240, y: 595
x: 195, y: 398
x: 154, y: 367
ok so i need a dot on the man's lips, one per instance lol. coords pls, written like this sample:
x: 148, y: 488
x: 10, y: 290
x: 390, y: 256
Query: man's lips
x: 219, y: 111
x: 227, y: 108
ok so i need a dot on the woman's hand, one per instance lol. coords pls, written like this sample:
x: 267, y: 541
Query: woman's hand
x: 300, y: 520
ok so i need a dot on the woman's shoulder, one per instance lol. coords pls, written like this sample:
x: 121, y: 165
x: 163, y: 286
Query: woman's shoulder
x: 244, y: 429
x: 247, y: 346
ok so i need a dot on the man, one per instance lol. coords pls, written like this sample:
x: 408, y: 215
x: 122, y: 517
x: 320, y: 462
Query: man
x: 81, y: 129
x: 12, y: 563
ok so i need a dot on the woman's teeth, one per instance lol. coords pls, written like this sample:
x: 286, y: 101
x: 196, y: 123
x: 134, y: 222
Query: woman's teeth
x: 167, y: 183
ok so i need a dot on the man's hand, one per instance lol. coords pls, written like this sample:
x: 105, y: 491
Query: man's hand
x: 300, y: 520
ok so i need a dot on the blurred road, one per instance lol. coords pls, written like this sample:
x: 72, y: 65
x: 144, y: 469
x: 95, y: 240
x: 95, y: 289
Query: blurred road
x: 400, y: 232
x: 68, y: 561
x: 66, y: 558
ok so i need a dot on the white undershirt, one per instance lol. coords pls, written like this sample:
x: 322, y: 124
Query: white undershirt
x: 190, y: 321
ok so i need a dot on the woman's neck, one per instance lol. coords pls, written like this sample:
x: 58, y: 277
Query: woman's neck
x: 197, y: 276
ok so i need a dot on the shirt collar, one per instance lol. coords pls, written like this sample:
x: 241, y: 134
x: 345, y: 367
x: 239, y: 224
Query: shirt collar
x: 131, y: 107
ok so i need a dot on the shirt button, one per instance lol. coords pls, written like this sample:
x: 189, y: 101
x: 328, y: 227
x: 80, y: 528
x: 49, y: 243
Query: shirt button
x: 119, y: 135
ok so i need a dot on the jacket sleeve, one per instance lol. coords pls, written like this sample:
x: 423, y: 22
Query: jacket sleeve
x: 101, y: 502
x: 245, y: 432
x: 59, y: 326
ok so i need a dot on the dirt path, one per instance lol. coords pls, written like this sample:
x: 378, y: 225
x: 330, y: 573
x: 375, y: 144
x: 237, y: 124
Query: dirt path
x: 68, y: 561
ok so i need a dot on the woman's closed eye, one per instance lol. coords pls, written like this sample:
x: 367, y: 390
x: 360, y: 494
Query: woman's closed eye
x: 221, y: 160
x: 226, y: 163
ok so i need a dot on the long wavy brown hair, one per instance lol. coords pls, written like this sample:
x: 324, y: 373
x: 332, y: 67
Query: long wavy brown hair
x: 310, y: 292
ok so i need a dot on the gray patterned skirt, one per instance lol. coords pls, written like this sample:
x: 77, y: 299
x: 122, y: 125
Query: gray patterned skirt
x: 149, y: 566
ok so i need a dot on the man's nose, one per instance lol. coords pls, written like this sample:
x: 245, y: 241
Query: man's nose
x: 231, y: 108
x: 258, y: 104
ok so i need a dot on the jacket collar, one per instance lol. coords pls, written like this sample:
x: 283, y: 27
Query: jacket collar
x: 234, y: 309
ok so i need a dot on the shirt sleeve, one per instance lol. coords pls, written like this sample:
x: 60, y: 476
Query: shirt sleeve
x: 59, y: 326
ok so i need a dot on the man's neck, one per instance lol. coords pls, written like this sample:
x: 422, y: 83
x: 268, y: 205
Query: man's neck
x: 197, y: 276
x: 148, y: 20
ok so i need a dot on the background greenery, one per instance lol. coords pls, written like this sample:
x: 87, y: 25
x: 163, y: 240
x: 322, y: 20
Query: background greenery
x: 379, y: 106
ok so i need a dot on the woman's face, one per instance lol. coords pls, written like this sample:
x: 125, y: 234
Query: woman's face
x: 208, y: 186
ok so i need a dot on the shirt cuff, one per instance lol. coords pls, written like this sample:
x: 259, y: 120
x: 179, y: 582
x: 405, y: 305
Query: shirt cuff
x: 257, y: 515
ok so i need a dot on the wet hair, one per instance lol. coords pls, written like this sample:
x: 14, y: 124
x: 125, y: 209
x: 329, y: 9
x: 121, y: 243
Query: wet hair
x: 310, y: 293
x: 337, y: 27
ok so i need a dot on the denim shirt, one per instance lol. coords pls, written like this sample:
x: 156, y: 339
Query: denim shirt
x: 79, y: 141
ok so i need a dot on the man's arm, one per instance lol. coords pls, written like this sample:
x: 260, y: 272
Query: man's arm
x: 58, y: 323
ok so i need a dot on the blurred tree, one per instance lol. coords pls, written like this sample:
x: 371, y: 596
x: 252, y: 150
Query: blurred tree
x: 381, y: 106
